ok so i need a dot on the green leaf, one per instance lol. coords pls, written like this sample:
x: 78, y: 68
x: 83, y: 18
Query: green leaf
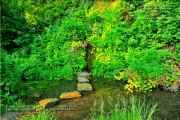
x: 8, y: 83
x: 6, y: 88
x: 2, y: 83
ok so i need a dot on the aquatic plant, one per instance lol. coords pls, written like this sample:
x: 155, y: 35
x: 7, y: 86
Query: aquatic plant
x: 126, y: 109
x: 43, y: 115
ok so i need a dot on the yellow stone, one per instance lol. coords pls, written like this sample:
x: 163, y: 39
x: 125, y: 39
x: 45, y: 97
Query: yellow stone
x: 68, y: 95
x: 48, y: 102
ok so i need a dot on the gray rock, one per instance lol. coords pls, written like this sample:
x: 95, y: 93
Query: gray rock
x: 9, y: 116
x: 46, y: 103
x: 82, y: 80
x: 84, y: 87
x: 173, y: 88
x: 84, y: 74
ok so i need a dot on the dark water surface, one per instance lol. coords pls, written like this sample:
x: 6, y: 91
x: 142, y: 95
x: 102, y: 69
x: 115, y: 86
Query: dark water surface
x: 81, y: 108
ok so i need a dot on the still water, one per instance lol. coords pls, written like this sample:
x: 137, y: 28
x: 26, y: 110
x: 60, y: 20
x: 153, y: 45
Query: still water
x: 81, y: 108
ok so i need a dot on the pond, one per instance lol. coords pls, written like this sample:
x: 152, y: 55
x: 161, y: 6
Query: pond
x: 168, y: 102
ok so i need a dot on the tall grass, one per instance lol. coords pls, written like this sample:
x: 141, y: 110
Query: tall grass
x: 126, y: 109
x: 43, y: 115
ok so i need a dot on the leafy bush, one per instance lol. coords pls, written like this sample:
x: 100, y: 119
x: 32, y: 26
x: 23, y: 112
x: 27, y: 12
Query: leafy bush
x: 128, y: 37
x: 145, y: 69
x: 53, y: 60
x: 14, y: 24
x: 10, y: 76
x: 107, y: 38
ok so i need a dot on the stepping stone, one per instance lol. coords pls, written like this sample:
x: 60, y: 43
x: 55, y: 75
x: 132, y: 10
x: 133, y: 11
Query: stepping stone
x: 68, y: 95
x: 82, y: 80
x: 46, y: 103
x: 84, y: 74
x: 84, y: 87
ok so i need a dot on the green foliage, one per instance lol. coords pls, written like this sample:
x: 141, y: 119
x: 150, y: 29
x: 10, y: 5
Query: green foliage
x: 132, y: 109
x: 148, y: 63
x: 14, y: 24
x: 128, y: 39
x: 46, y: 40
x: 146, y: 69
x: 107, y: 39
x: 54, y: 59
x: 48, y: 56
x: 43, y: 115
x: 176, y: 54
x: 10, y: 76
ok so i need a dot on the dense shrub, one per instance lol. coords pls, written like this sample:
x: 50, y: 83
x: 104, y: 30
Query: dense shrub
x: 14, y: 24
x: 54, y: 55
x: 10, y: 77
x: 132, y: 40
x: 137, y: 42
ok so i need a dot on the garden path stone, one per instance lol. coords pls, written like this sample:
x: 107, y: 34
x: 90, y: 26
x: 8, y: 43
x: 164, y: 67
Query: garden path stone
x: 69, y: 95
x: 46, y: 103
x: 82, y: 80
x: 84, y: 74
x: 84, y: 87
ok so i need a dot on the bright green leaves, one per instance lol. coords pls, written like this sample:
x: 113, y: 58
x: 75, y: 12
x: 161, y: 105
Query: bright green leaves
x: 119, y: 44
x: 14, y: 24
x: 10, y: 76
x: 73, y: 29
x: 127, y: 37
x: 146, y: 69
x: 59, y: 60
x: 108, y: 38
x: 147, y: 63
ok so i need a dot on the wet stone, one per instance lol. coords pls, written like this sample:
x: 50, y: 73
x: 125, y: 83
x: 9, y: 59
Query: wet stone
x: 84, y: 74
x: 82, y: 80
x: 69, y: 95
x: 84, y: 87
x: 46, y: 103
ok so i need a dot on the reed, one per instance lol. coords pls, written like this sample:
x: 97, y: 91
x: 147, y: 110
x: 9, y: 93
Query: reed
x: 125, y: 109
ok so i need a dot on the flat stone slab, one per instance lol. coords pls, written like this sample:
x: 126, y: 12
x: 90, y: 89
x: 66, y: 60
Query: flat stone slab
x: 46, y: 103
x: 82, y: 80
x: 84, y: 74
x: 84, y: 87
x: 69, y: 95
